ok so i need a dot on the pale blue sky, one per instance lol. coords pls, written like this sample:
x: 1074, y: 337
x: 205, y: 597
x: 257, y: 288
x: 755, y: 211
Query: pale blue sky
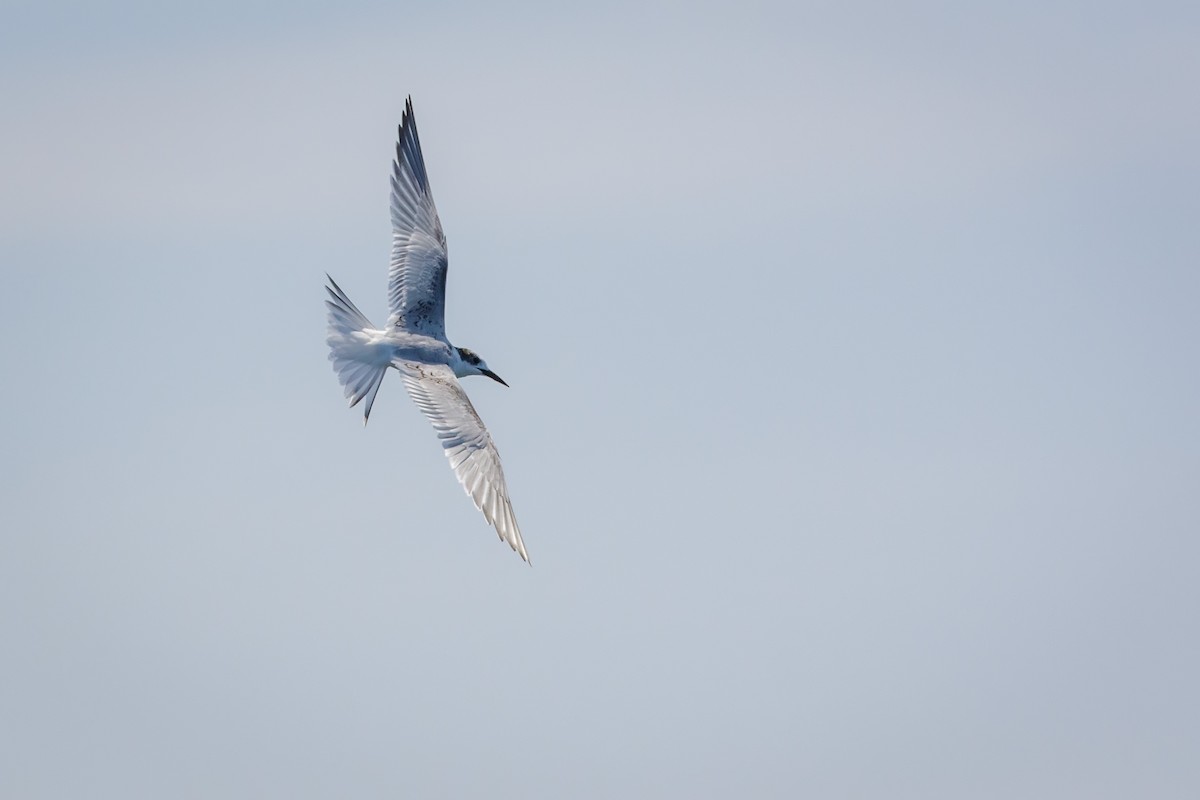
x: 853, y: 424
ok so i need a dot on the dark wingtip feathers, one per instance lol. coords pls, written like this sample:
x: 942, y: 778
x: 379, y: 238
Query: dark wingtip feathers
x: 408, y: 147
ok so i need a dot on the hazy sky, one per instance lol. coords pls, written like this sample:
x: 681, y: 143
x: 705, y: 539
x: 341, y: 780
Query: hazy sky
x: 853, y: 427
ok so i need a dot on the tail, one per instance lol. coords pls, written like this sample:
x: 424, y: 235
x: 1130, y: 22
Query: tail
x: 358, y: 362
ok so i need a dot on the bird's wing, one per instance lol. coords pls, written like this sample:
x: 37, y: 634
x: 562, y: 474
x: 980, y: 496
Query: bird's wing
x: 468, y: 445
x: 417, y: 278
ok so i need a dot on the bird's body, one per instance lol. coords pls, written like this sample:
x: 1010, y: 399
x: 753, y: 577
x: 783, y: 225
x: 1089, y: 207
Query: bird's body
x: 381, y: 348
x: 414, y: 341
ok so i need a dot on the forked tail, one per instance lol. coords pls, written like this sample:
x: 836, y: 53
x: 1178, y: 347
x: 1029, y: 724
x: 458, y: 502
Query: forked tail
x: 358, y: 362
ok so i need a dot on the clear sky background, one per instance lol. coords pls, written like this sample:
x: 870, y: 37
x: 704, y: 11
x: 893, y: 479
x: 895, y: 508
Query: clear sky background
x: 853, y: 425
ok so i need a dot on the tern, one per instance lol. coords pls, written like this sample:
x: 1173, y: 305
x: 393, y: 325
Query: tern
x: 414, y: 342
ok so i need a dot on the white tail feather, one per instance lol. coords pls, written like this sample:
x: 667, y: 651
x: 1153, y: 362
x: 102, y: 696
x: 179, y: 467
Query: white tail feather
x: 358, y: 362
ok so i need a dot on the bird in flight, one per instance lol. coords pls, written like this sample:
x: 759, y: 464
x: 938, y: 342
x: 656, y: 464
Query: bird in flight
x: 414, y: 340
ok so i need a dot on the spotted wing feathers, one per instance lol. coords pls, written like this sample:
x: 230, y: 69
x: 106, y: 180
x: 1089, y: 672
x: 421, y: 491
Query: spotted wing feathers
x: 417, y: 278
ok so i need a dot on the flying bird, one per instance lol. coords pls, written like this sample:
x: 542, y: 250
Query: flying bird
x: 414, y: 341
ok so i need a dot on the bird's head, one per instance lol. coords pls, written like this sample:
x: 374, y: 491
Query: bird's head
x: 471, y: 364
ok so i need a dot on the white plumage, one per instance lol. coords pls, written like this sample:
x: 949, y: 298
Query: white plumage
x: 414, y: 341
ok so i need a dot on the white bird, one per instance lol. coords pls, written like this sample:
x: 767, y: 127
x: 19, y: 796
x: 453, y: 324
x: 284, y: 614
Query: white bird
x: 414, y: 341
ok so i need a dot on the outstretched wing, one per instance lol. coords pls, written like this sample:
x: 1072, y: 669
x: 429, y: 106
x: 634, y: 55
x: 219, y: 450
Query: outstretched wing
x: 417, y: 278
x: 468, y: 445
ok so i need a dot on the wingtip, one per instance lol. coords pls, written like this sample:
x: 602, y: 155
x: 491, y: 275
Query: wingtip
x: 519, y: 546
